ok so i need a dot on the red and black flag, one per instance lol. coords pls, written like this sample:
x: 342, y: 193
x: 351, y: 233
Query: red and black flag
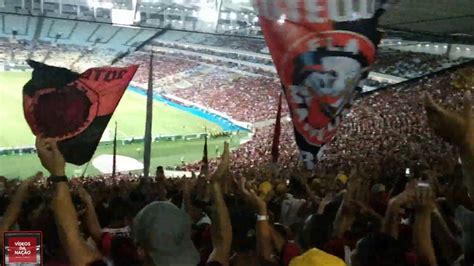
x: 73, y: 109
x: 321, y: 49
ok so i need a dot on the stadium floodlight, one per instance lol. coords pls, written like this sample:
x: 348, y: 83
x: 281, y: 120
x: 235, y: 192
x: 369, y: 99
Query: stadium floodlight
x: 208, y: 14
x: 282, y: 19
x: 96, y: 4
x: 233, y: 16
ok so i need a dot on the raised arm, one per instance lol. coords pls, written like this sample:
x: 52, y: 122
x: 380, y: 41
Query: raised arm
x: 391, y: 222
x: 423, y: 243
x: 265, y: 236
x: 457, y: 129
x: 221, y: 226
x: 357, y: 192
x: 92, y: 222
x: 13, y: 210
x: 78, y: 252
x: 450, y: 248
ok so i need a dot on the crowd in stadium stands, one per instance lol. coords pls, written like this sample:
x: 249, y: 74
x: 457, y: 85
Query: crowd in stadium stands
x: 228, y: 92
x: 239, y: 97
x: 76, y: 57
x: 227, y: 53
x: 234, y: 43
x: 381, y: 126
x: 407, y: 64
x: 360, y: 207
x: 389, y: 61
x: 163, y: 66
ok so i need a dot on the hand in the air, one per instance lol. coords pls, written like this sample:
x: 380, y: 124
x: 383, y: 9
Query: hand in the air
x: 50, y: 157
x: 458, y: 129
x: 223, y: 166
x: 84, y: 195
x: 455, y: 128
x: 250, y: 195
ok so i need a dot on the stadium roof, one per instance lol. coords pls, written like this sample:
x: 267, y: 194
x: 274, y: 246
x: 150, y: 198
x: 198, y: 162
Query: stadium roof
x: 440, y: 18
x: 447, y: 17
x: 428, y: 16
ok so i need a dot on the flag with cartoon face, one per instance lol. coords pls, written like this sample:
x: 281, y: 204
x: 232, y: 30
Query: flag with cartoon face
x: 73, y: 109
x: 321, y: 49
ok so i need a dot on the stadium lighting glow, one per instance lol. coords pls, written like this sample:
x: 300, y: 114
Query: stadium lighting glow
x: 445, y: 46
x: 458, y: 48
x: 208, y: 15
x: 468, y: 49
x: 233, y: 16
x: 436, y: 46
x: 282, y: 19
x: 94, y: 3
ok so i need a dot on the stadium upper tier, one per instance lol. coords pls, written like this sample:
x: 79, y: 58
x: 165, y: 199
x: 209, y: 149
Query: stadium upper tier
x: 71, y: 32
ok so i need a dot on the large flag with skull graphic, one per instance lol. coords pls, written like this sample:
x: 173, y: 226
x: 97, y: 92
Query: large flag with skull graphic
x: 322, y: 49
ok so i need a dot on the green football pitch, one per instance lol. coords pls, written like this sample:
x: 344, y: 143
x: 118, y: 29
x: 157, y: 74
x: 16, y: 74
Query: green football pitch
x: 130, y: 117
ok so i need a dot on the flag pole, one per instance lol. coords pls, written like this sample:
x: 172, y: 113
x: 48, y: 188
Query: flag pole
x: 277, y: 133
x: 205, y: 158
x: 149, y: 117
x: 114, y: 162
x: 85, y: 169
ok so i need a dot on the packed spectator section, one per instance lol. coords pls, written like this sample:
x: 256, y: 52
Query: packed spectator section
x: 389, y: 161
